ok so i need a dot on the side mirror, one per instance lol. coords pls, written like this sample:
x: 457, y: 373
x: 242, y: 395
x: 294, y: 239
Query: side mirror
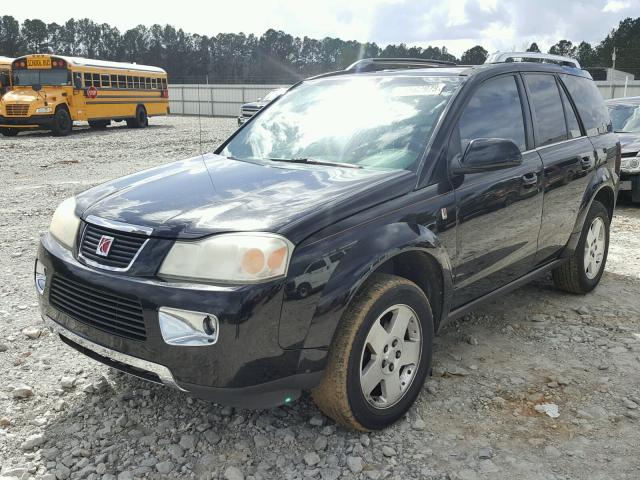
x: 488, y: 154
x: 36, y: 87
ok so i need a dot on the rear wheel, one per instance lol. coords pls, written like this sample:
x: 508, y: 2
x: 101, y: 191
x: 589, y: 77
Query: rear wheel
x: 380, y: 355
x: 141, y: 119
x: 62, y: 123
x: 9, y: 132
x: 99, y: 124
x: 583, y: 270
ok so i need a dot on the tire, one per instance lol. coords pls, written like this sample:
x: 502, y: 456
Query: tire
x: 635, y: 189
x: 304, y: 290
x: 62, y: 123
x: 9, y: 132
x: 99, y: 124
x: 141, y: 120
x: 340, y: 394
x: 576, y: 275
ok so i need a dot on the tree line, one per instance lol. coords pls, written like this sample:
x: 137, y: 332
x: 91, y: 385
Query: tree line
x: 274, y: 56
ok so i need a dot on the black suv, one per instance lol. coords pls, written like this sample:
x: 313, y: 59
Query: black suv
x: 423, y: 191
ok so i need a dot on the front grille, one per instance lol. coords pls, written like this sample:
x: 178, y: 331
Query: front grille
x: 17, y: 110
x: 107, y: 312
x: 124, y: 248
x: 249, y: 113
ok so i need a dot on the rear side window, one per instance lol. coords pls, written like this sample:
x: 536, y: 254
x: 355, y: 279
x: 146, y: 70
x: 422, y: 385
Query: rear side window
x: 494, y: 111
x: 590, y: 104
x: 572, y: 119
x: 547, y: 109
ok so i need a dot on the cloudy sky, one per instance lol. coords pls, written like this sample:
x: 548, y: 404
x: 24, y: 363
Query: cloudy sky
x: 458, y: 24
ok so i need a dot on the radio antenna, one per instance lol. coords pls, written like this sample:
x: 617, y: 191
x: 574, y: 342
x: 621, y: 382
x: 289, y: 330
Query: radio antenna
x: 199, y: 118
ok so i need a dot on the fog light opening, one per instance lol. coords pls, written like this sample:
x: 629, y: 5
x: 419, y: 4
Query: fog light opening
x: 187, y: 328
x: 40, y: 277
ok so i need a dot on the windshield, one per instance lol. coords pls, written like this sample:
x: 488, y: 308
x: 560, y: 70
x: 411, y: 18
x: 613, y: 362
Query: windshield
x: 41, y: 77
x: 369, y: 121
x: 625, y: 119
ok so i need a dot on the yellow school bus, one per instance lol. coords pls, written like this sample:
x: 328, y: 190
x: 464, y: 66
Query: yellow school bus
x: 53, y: 91
x: 5, y: 74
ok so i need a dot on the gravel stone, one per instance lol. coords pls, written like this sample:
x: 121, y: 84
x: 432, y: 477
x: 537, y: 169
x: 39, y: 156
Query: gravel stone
x: 388, y: 451
x: 354, y: 464
x: 233, y: 473
x: 22, y: 391
x: 164, y: 467
x: 311, y: 458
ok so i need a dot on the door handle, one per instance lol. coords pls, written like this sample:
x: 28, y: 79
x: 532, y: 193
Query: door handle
x: 530, y: 179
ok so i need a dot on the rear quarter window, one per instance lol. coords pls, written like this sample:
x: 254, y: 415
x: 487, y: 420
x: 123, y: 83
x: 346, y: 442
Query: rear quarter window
x: 547, y: 108
x: 590, y: 104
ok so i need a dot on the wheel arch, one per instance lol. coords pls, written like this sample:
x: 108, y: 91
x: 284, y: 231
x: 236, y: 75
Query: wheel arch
x: 408, y: 250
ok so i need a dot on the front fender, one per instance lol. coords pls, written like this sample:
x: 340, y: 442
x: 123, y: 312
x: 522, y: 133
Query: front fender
x: 352, y: 256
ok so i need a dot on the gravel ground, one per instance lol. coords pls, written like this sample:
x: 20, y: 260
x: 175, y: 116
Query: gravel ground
x: 65, y: 416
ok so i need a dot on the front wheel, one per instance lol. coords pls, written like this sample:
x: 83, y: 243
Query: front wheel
x: 582, y: 272
x: 62, y: 123
x: 9, y: 132
x: 380, y: 356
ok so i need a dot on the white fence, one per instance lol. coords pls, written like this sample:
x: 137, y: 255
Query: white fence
x: 225, y: 100
x: 214, y: 100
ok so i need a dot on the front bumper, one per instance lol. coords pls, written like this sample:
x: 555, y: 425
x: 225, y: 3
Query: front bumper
x: 629, y: 181
x: 34, y: 121
x: 245, y: 367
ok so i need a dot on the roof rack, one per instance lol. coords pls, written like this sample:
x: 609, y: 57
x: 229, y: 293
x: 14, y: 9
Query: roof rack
x: 381, y: 63
x: 504, y: 57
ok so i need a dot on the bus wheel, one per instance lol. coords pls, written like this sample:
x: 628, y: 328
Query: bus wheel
x: 62, y: 123
x: 141, y: 120
x: 9, y: 132
x: 99, y: 124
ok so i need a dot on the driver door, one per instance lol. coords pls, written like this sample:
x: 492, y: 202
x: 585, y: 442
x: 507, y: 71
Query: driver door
x: 498, y: 212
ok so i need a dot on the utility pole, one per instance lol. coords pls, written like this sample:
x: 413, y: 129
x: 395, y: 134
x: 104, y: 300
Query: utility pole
x: 613, y: 69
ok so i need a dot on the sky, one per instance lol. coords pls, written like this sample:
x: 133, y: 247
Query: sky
x: 456, y: 24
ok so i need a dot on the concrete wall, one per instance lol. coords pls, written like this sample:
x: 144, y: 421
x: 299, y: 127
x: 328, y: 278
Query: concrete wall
x: 225, y: 100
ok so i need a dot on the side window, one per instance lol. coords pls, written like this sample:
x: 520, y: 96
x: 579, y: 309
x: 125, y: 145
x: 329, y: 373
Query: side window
x: 129, y: 82
x: 106, y: 81
x: 316, y: 266
x: 148, y: 80
x: 87, y: 80
x: 121, y: 81
x: 96, y: 79
x: 572, y: 119
x: 547, y: 109
x: 494, y: 111
x: 590, y: 104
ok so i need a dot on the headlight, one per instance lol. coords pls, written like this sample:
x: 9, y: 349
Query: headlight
x: 230, y: 258
x: 64, y: 224
x: 630, y: 164
x: 44, y: 110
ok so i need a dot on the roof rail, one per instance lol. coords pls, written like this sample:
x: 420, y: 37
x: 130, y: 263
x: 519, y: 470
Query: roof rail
x: 381, y: 63
x: 503, y: 57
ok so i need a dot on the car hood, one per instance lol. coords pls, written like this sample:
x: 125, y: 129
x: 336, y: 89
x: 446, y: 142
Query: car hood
x: 254, y: 105
x: 213, y: 194
x: 630, y: 142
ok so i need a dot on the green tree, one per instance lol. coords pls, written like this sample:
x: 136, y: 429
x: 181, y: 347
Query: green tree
x: 534, y: 48
x: 34, y: 33
x: 474, y: 56
x: 564, y: 48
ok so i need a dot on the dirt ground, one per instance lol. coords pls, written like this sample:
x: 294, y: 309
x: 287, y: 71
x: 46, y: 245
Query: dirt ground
x: 64, y: 416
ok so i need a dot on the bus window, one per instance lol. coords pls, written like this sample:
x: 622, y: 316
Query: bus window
x: 114, y: 81
x: 87, y: 80
x: 153, y: 83
x: 148, y: 82
x: 129, y: 82
x: 122, y: 82
x: 164, y: 83
x: 96, y: 79
x: 136, y: 82
x: 77, y: 80
x: 105, y: 81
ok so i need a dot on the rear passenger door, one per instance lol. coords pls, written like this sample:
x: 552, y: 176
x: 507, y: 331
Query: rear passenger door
x: 498, y: 212
x: 567, y: 155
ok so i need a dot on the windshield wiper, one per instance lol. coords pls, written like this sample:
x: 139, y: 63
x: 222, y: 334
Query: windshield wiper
x: 313, y: 161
